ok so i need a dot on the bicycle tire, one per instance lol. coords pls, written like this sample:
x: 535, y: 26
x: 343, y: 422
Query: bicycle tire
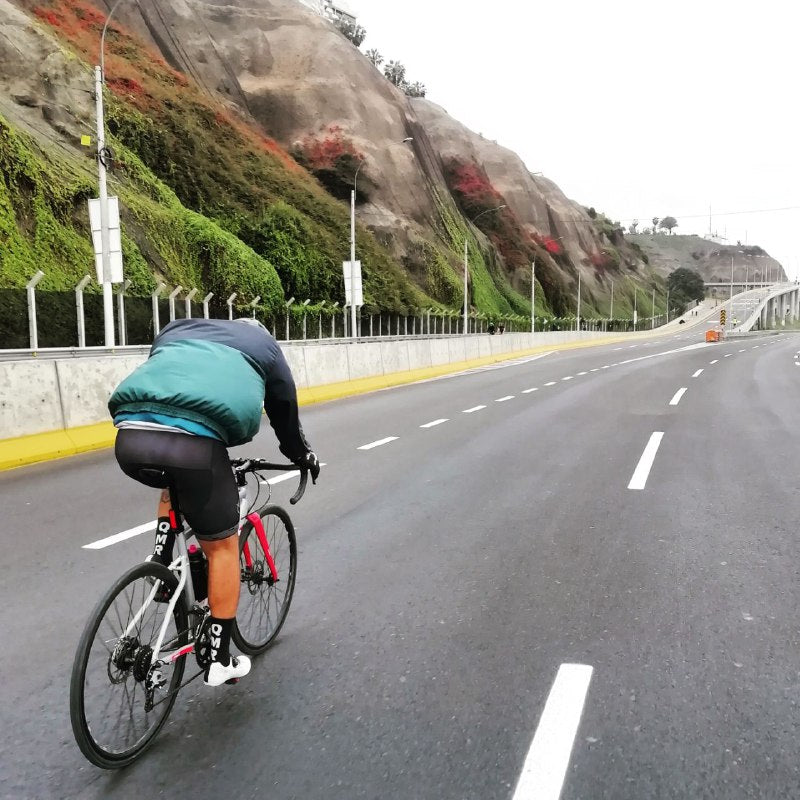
x: 277, y: 523
x: 96, y: 752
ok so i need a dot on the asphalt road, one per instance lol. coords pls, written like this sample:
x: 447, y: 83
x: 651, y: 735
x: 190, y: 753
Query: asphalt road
x: 446, y: 576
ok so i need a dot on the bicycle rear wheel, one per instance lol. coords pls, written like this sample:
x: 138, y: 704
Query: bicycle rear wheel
x: 264, y: 602
x: 114, y: 715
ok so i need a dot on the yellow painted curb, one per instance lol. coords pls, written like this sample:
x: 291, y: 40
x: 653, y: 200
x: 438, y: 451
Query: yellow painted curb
x: 24, y: 450
x: 336, y: 391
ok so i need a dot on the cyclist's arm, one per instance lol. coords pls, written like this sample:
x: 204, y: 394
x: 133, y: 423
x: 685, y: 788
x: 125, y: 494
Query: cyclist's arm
x: 280, y: 403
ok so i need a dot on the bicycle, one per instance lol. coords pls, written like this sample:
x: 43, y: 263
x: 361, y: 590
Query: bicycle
x: 141, y: 633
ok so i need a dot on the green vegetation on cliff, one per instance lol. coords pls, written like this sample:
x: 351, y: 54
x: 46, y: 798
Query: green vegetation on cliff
x: 207, y: 201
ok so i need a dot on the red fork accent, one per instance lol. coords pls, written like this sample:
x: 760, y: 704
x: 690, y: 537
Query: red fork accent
x: 262, y: 537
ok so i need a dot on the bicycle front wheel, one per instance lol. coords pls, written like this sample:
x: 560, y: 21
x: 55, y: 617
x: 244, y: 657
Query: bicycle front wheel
x: 118, y: 699
x: 263, y: 601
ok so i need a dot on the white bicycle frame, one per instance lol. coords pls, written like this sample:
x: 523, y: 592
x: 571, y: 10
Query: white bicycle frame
x: 180, y: 565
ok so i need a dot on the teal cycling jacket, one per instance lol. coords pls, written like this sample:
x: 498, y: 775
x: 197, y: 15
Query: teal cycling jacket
x: 220, y: 374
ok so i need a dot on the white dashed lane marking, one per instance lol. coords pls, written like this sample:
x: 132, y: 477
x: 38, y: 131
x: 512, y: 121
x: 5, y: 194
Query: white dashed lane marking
x: 728, y: 355
x: 677, y: 398
x: 697, y: 374
x: 503, y: 399
x: 568, y: 378
x: 550, y: 383
x: 434, y: 423
x: 640, y: 474
x: 714, y: 361
x: 120, y: 537
x: 545, y: 767
x: 378, y: 443
x: 528, y: 391
x: 472, y: 410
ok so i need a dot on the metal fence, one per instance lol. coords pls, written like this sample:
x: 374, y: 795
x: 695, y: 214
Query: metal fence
x: 34, y: 319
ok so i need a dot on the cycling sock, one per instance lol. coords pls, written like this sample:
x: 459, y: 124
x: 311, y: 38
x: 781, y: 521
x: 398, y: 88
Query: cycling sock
x: 219, y: 631
x: 165, y: 541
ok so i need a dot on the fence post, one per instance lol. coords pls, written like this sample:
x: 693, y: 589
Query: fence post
x: 254, y: 303
x: 288, y: 305
x: 205, y: 304
x: 172, y: 295
x: 79, y: 309
x: 305, y: 318
x: 189, y: 298
x: 156, y: 315
x: 30, y: 289
x: 123, y: 333
x: 229, y: 303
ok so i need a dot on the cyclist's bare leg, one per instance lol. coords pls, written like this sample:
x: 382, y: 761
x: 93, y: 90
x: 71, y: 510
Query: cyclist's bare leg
x: 223, y: 576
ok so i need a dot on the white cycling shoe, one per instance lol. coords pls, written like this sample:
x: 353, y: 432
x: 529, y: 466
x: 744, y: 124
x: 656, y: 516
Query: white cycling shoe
x: 217, y: 673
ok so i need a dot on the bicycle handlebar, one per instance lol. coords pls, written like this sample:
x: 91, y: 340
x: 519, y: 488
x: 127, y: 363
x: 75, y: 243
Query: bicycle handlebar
x: 253, y: 464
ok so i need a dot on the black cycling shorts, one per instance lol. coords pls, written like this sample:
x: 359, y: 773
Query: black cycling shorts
x: 197, y: 468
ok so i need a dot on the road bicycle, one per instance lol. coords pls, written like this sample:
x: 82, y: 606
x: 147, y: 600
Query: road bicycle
x: 129, y: 665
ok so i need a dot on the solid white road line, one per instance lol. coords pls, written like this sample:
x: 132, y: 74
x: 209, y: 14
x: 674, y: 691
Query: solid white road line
x: 503, y: 399
x: 714, y: 361
x: 528, y: 391
x: 120, y: 537
x: 545, y: 767
x: 473, y: 409
x: 378, y: 443
x: 550, y: 383
x: 699, y: 372
x: 677, y: 398
x: 434, y: 423
x: 642, y: 471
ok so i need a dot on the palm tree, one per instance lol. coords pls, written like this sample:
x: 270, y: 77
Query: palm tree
x: 395, y: 72
x: 375, y: 57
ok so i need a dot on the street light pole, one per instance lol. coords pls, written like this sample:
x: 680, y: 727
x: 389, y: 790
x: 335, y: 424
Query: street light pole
x: 533, y: 295
x: 653, y: 311
x: 353, y: 331
x: 466, y: 278
x: 105, y: 244
x: 353, y: 254
x: 611, y: 312
x: 466, y: 264
x: 578, y: 321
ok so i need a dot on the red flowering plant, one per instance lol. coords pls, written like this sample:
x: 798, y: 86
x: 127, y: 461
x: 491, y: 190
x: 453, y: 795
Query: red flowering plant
x: 333, y: 159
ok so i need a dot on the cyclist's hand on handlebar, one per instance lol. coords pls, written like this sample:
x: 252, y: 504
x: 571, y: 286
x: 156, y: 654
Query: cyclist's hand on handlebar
x: 310, y: 462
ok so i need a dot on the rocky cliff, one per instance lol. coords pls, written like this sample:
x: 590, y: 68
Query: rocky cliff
x: 713, y: 261
x: 207, y: 101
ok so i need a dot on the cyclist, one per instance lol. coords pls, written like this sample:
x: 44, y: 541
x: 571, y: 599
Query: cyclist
x: 201, y: 391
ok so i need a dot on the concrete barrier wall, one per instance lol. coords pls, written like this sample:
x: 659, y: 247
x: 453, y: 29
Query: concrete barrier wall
x: 50, y: 394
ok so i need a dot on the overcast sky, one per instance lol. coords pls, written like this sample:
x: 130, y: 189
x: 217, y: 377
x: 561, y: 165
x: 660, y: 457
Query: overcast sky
x: 638, y: 109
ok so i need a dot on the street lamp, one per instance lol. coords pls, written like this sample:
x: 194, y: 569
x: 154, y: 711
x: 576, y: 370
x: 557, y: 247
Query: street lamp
x: 533, y: 283
x: 466, y: 263
x: 353, y: 242
x: 102, y: 156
